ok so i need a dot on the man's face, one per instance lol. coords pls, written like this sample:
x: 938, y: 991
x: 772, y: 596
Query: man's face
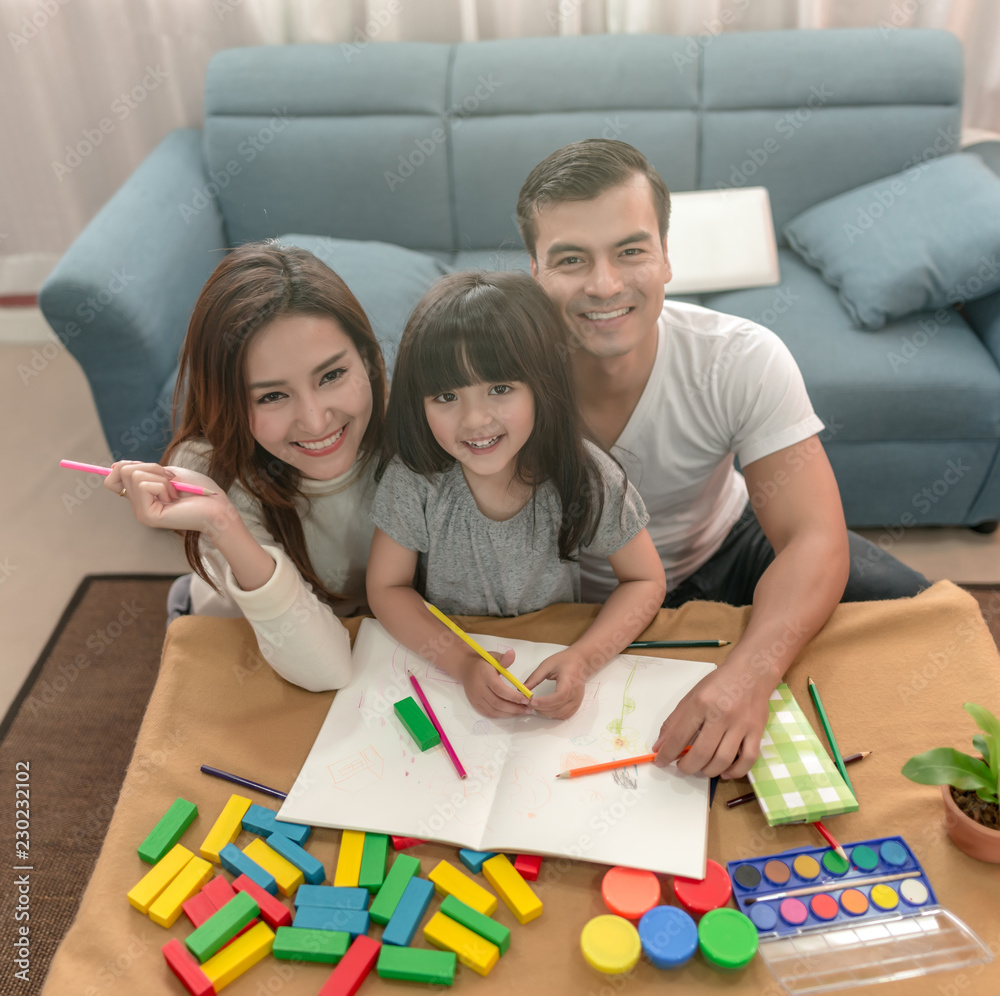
x: 603, y: 264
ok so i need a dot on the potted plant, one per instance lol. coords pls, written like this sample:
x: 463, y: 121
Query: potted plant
x: 970, y: 787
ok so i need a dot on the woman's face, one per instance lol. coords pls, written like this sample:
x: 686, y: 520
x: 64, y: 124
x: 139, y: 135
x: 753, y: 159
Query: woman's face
x: 310, y: 396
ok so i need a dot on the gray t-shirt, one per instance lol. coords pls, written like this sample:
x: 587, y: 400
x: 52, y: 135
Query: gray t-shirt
x: 472, y: 565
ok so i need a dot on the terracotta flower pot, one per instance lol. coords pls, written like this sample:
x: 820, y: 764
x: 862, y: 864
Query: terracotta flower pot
x: 967, y: 835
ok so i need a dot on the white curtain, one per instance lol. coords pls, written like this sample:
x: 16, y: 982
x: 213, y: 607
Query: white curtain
x: 89, y: 87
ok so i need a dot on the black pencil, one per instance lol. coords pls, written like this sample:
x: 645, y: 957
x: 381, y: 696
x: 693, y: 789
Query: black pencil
x: 245, y: 782
x: 750, y: 796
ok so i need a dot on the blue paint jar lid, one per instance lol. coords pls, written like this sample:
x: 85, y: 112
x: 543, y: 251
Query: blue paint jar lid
x: 669, y: 936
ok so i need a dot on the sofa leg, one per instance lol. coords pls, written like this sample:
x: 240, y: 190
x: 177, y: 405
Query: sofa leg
x: 985, y: 527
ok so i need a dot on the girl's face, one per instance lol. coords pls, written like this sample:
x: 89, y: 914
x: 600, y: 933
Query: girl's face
x: 483, y: 427
x: 310, y: 396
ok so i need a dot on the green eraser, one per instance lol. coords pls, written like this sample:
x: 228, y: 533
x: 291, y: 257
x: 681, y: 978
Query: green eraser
x: 417, y: 724
x: 168, y: 831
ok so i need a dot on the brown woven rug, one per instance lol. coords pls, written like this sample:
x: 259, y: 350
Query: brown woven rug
x: 75, y: 723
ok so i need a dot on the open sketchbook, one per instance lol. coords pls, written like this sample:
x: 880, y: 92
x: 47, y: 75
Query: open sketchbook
x: 365, y: 773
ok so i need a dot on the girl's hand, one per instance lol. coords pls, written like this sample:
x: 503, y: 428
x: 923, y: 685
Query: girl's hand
x: 488, y: 691
x: 567, y: 668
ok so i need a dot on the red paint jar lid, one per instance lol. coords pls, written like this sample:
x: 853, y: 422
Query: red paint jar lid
x: 630, y: 892
x: 697, y: 896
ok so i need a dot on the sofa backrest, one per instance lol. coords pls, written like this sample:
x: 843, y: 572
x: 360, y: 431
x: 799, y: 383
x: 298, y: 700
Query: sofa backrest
x: 427, y: 145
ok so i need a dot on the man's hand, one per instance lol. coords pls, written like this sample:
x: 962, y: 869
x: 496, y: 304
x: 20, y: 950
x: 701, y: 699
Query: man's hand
x: 723, y: 718
x: 567, y: 668
x: 488, y: 691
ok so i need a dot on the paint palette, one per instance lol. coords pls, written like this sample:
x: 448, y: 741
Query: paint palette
x: 827, y: 924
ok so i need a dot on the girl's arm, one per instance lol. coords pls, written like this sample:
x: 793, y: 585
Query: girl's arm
x: 627, y: 612
x: 401, y: 610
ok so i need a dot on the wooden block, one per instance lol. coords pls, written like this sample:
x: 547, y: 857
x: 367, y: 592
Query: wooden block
x: 312, y: 869
x: 473, y: 860
x: 352, y: 922
x: 352, y: 844
x: 402, y: 843
x: 496, y: 933
x: 222, y: 927
x: 219, y: 891
x: 346, y: 978
x: 384, y: 904
x: 288, y: 877
x: 237, y: 863
x: 142, y: 894
x: 472, y: 950
x: 409, y: 912
x: 236, y: 958
x: 198, y: 908
x: 528, y: 866
x: 417, y: 965
x: 449, y: 881
x: 168, y: 831
x: 299, y: 944
x: 513, y: 889
x: 226, y: 828
x: 374, y: 854
x: 332, y: 896
x: 186, y: 968
x: 263, y: 821
x: 273, y: 911
x: 166, y: 907
x: 416, y: 723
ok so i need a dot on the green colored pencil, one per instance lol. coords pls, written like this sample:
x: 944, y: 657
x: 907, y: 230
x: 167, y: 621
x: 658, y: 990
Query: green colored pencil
x: 679, y: 643
x: 834, y: 749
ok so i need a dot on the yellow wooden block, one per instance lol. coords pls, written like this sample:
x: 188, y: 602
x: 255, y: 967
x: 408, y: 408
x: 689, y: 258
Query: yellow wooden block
x: 449, y: 881
x: 472, y: 950
x: 513, y: 889
x: 226, y: 828
x: 352, y: 843
x: 166, y: 907
x: 288, y: 877
x: 142, y: 894
x: 239, y: 955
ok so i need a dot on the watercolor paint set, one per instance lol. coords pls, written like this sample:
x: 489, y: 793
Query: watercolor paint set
x: 825, y: 923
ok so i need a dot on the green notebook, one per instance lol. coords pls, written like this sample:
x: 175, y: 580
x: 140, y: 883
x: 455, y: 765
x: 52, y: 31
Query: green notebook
x: 794, y: 778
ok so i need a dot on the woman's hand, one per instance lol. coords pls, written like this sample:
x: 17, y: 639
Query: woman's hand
x: 567, y: 668
x: 488, y: 691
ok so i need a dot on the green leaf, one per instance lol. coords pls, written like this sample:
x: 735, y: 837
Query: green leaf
x: 947, y: 766
x: 987, y: 796
x: 979, y: 742
x: 990, y: 726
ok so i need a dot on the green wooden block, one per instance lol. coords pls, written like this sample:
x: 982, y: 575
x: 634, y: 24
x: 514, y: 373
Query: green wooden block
x: 384, y: 904
x: 302, y: 944
x: 416, y: 965
x: 373, y: 858
x: 485, y: 926
x: 168, y: 831
x: 222, y: 926
x: 417, y: 724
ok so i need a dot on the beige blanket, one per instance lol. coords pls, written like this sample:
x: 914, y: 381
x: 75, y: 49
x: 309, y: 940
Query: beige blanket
x: 893, y: 676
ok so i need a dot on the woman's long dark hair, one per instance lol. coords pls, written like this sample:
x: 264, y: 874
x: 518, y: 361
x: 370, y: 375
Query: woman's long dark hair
x: 473, y: 328
x: 253, y: 285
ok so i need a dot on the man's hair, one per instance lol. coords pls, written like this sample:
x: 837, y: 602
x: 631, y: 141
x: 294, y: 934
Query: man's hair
x: 581, y: 172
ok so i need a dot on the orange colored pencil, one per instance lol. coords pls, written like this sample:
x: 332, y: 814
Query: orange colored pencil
x: 624, y: 762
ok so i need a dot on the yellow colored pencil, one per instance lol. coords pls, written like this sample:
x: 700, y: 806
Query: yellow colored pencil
x: 488, y: 657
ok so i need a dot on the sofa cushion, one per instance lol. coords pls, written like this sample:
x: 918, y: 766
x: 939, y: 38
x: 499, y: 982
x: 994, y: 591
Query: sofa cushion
x: 925, y: 377
x: 387, y: 280
x: 919, y: 240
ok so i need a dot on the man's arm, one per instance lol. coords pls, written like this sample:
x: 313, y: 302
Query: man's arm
x: 795, y: 496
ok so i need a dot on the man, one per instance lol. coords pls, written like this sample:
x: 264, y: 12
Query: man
x: 676, y: 391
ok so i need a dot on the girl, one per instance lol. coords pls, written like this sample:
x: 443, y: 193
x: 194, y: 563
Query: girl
x: 488, y: 491
x: 283, y: 411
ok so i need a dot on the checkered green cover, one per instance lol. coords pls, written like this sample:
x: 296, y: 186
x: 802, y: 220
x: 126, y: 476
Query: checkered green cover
x: 794, y: 778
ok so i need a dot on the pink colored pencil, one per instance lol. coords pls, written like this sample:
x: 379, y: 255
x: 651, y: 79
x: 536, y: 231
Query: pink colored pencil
x: 437, y: 726
x: 92, y: 468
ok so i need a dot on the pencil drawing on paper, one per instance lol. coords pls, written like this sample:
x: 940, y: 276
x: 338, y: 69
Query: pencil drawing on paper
x: 357, y: 771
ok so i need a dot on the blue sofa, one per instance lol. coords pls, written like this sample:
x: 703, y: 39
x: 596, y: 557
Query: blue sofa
x: 396, y: 162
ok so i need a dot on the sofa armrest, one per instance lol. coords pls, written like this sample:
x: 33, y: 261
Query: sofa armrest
x: 121, y: 297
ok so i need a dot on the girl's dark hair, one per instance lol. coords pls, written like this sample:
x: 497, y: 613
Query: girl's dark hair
x: 253, y: 285
x: 473, y: 328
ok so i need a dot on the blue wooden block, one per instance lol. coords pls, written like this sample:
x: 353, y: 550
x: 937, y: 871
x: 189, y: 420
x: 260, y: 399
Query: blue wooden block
x: 473, y: 860
x: 332, y: 897
x: 298, y: 833
x: 237, y: 863
x: 353, y: 922
x: 263, y: 822
x: 313, y: 870
x: 406, y: 918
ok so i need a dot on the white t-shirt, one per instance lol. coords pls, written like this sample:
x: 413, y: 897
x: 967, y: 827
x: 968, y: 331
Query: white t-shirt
x: 720, y: 386
x: 299, y: 635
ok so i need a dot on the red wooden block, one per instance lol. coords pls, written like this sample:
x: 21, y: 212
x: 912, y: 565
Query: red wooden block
x: 185, y: 966
x: 353, y: 969
x: 273, y: 912
x: 198, y: 908
x: 527, y: 865
x: 219, y: 891
x: 402, y: 843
